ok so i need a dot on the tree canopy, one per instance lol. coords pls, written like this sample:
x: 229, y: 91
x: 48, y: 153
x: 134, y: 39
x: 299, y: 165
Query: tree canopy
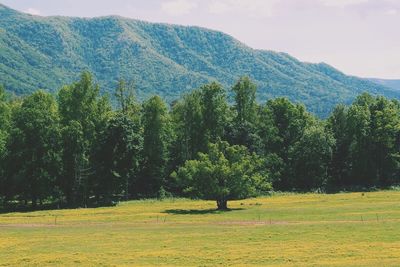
x: 76, y: 148
x: 223, y: 173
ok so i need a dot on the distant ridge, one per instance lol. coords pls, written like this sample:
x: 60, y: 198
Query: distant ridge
x: 390, y: 83
x: 169, y: 60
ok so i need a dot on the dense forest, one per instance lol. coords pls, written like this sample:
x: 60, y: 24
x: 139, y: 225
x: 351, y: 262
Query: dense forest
x: 76, y: 150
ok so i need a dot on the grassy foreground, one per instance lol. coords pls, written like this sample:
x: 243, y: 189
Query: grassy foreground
x: 354, y: 229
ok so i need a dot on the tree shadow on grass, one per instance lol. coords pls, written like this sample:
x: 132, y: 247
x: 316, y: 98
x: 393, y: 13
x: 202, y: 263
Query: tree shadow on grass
x: 199, y: 212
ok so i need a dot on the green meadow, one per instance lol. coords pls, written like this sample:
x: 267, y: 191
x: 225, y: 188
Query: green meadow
x: 347, y: 229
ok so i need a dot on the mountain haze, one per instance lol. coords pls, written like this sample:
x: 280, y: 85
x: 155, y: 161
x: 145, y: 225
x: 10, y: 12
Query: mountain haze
x: 48, y: 52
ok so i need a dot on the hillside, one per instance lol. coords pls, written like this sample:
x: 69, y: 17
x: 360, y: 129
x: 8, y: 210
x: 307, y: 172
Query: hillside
x: 394, y: 84
x: 48, y: 52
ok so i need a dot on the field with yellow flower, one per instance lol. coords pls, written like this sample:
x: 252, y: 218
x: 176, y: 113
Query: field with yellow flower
x: 349, y: 229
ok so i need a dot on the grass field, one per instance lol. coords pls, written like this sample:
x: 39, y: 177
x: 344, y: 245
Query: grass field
x: 353, y: 229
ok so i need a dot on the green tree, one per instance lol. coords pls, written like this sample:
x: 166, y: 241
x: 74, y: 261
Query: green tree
x: 310, y: 158
x: 126, y: 98
x: 198, y: 118
x: 4, y: 120
x: 245, y: 100
x: 117, y: 158
x: 339, y: 169
x: 118, y: 152
x: 243, y: 127
x: 224, y: 173
x: 156, y: 142
x: 214, y: 110
x: 5, y: 113
x: 282, y: 124
x: 84, y: 115
x: 34, y: 147
x: 385, y: 137
x: 373, y: 131
x: 187, y: 119
x: 361, y: 161
x: 72, y: 181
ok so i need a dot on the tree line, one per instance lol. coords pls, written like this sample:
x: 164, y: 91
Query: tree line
x: 74, y: 149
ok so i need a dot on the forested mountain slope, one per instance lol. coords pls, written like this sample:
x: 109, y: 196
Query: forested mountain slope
x: 48, y: 52
x: 394, y: 84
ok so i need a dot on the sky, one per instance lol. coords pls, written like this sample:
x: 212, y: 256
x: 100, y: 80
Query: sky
x: 359, y: 37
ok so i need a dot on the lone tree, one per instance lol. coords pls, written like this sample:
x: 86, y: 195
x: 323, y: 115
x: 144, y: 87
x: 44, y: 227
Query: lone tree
x: 224, y: 173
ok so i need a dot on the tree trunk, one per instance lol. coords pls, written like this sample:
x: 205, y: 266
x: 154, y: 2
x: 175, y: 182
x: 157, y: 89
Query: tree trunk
x: 34, y: 201
x: 127, y: 189
x: 222, y: 204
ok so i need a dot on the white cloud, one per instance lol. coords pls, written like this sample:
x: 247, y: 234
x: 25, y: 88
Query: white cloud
x: 33, y: 11
x: 178, y: 7
x: 342, y: 3
x: 259, y: 8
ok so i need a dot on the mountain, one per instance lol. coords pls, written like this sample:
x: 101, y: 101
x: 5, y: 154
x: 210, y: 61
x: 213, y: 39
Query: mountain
x: 394, y: 84
x: 48, y: 52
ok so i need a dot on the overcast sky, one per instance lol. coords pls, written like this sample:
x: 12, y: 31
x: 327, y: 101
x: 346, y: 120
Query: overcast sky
x: 359, y: 37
